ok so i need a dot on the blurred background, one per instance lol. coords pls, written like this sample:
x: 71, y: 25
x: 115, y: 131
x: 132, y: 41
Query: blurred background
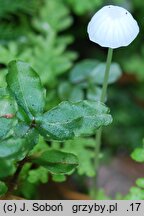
x: 52, y: 36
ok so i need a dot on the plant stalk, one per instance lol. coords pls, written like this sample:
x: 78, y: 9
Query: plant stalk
x: 99, y: 132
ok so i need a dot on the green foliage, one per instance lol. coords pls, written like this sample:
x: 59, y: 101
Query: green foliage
x: 26, y: 108
x: 140, y: 183
x: 83, y: 148
x: 67, y: 91
x: 50, y: 57
x: 99, y: 72
x: 41, y: 33
x: 3, y: 188
x: 57, y: 162
x: 128, y: 118
x: 7, y: 115
x: 82, y: 71
x: 135, y: 66
x: 38, y: 175
x: 55, y: 15
x: 135, y: 193
x: 7, y: 167
x: 138, y: 154
x: 15, y: 6
x: 58, y: 178
x: 24, y: 83
x: 73, y: 119
x: 85, y: 6
x: 93, y: 71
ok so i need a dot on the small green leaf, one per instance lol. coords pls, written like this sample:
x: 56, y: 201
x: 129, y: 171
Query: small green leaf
x: 7, y: 115
x: 140, y: 182
x: 38, y: 175
x: 57, y: 162
x: 73, y: 119
x: 25, y: 85
x: 138, y: 155
x: 58, y: 178
x: 7, y: 168
x: 98, y: 73
x: 64, y: 90
x: 83, y: 148
x: 81, y: 72
x: 69, y: 92
x: 76, y: 94
x: 3, y: 188
x: 94, y: 94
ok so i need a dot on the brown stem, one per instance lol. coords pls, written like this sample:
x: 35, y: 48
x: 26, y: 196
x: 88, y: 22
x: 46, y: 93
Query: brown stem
x: 13, y: 181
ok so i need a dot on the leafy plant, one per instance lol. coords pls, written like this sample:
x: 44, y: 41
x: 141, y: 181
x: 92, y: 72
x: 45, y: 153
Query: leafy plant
x: 24, y: 119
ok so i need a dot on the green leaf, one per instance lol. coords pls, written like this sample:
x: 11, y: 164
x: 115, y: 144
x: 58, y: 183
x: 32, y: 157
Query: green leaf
x: 138, y: 155
x: 73, y: 119
x: 17, y: 148
x: 69, y: 92
x: 3, y: 188
x: 58, y: 178
x: 81, y: 72
x: 30, y: 139
x: 10, y: 147
x: 3, y: 92
x: 21, y: 129
x: 57, y: 162
x: 76, y: 95
x: 83, y: 148
x: 38, y: 175
x: 140, y: 182
x: 7, y: 115
x: 99, y: 72
x: 94, y: 94
x: 135, y: 193
x: 25, y: 85
x: 7, y: 168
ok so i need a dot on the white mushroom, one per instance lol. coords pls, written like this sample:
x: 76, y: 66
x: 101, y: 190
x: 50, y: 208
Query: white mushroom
x: 113, y: 27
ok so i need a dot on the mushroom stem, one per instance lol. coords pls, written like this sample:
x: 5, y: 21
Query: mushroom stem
x: 105, y: 83
x: 99, y: 132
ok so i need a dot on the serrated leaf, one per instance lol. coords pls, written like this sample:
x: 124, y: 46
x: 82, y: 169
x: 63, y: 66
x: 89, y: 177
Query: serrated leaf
x: 57, y: 162
x: 7, y: 115
x: 25, y: 85
x: 98, y: 73
x: 73, y: 119
x: 82, y: 71
x: 3, y: 188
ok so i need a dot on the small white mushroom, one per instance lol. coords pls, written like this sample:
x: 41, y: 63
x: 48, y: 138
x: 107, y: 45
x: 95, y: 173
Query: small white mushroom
x: 113, y: 27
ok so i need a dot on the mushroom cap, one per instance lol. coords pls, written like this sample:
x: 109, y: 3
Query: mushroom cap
x: 113, y: 27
